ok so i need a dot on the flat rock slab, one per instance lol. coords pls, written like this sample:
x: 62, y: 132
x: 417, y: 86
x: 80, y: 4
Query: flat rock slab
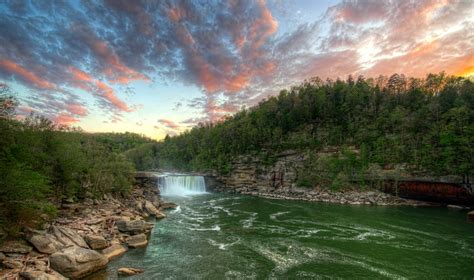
x: 129, y: 271
x: 136, y: 241
x: 114, y: 251
x: 17, y: 246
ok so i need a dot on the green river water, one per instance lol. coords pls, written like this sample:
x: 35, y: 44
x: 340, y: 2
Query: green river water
x: 219, y: 236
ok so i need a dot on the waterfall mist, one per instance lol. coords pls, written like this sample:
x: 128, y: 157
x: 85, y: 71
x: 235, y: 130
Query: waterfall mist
x: 180, y: 185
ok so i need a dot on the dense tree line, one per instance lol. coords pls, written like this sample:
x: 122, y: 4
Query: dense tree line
x: 43, y: 164
x: 426, y: 125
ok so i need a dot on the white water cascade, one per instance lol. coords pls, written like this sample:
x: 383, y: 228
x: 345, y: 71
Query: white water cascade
x: 182, y: 185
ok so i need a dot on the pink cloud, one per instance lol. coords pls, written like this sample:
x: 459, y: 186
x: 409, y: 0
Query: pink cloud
x: 26, y: 75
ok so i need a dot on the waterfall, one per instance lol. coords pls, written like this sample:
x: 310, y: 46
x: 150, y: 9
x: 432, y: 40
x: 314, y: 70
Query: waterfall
x: 181, y: 185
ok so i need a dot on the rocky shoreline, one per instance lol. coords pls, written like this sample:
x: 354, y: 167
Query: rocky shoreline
x: 323, y: 195
x: 84, y: 237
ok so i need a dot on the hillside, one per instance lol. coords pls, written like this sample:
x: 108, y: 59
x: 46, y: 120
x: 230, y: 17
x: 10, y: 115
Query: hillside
x: 423, y: 126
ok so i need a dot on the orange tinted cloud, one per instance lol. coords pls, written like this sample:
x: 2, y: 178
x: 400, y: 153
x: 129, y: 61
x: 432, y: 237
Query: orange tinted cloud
x: 86, y: 82
x: 65, y: 119
x: 26, y: 75
x: 77, y: 109
x: 109, y: 94
x: 115, y: 70
x: 169, y: 124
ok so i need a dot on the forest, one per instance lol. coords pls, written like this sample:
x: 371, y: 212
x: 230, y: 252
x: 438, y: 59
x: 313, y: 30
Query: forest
x: 425, y: 125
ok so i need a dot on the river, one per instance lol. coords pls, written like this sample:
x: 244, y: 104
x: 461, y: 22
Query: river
x: 219, y: 236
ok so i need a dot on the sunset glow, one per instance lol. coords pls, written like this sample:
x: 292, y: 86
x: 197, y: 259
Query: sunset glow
x: 158, y: 68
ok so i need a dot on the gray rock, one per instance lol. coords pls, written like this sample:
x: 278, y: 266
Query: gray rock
x: 133, y: 227
x: 2, y: 257
x: 43, y: 242
x: 67, y: 237
x: 17, y: 246
x: 136, y: 241
x: 77, y: 262
x: 96, y: 242
x: 129, y: 271
x: 114, y: 251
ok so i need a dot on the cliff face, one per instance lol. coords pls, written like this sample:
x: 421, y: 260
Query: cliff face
x: 251, y: 174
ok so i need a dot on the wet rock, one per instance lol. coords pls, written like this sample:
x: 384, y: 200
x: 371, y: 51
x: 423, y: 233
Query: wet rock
x: 152, y: 210
x: 67, y: 237
x: 129, y: 271
x: 470, y: 216
x: 114, y: 251
x: 16, y: 246
x: 168, y: 205
x: 43, y: 242
x: 77, y: 262
x: 136, y: 241
x: 132, y: 227
x: 96, y: 242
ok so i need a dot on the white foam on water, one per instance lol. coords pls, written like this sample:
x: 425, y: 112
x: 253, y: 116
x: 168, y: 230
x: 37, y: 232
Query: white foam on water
x: 222, y: 246
x: 247, y: 223
x: 274, y: 216
x: 214, y: 228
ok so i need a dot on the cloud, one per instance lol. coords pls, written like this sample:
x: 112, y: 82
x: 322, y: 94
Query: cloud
x: 169, y: 124
x: 104, y: 92
x: 10, y: 67
x: 236, y: 52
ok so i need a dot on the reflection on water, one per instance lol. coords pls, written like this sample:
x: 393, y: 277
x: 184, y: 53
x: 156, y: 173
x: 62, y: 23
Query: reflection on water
x: 216, y: 236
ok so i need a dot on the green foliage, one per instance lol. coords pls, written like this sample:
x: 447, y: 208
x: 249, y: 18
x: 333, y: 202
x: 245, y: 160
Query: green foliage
x: 42, y: 163
x: 427, y: 124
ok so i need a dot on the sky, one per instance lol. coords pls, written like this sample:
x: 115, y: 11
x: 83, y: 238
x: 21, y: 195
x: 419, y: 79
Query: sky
x: 161, y: 67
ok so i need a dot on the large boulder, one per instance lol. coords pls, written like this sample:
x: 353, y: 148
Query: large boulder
x: 15, y: 246
x: 136, y: 241
x: 152, y: 210
x: 132, y: 227
x: 114, y: 251
x: 76, y: 262
x: 67, y: 237
x: 96, y: 242
x: 43, y: 242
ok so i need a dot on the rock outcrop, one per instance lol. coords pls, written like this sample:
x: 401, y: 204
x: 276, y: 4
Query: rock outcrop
x: 96, y: 242
x: 76, y: 262
x: 132, y: 227
x: 114, y: 251
x: 84, y: 237
x: 136, y: 241
x: 15, y: 246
